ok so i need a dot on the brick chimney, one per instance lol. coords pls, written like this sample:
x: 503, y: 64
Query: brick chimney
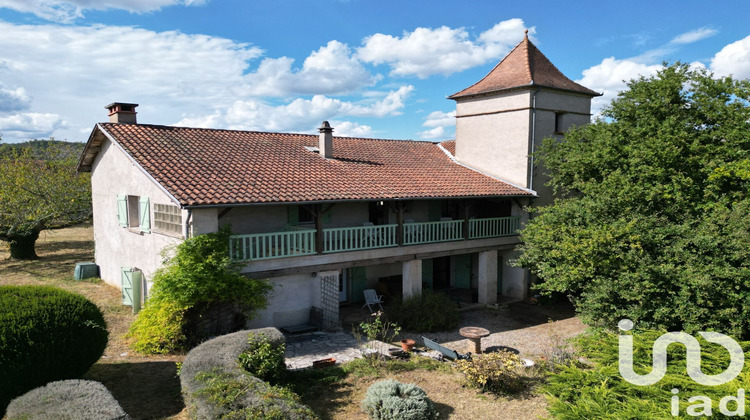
x: 325, y: 143
x: 121, y: 112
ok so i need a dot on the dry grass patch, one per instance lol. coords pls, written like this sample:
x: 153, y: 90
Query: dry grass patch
x: 145, y: 387
x: 341, y: 400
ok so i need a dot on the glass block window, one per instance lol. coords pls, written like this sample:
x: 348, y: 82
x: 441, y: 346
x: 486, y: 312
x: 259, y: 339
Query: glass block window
x: 168, y: 219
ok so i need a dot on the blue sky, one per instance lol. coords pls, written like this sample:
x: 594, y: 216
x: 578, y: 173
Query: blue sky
x: 373, y: 68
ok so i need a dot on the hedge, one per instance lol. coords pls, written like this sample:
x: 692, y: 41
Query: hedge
x: 46, y: 334
x: 72, y: 399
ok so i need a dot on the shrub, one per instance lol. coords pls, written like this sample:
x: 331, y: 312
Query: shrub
x: 216, y: 387
x: 599, y: 391
x: 70, y: 399
x: 392, y: 400
x: 199, y: 277
x: 430, y: 312
x: 46, y: 334
x: 495, y: 372
x: 263, y: 359
x: 375, y: 328
x: 159, y: 329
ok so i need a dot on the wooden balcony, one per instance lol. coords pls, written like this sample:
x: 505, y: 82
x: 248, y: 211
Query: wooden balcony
x: 298, y: 241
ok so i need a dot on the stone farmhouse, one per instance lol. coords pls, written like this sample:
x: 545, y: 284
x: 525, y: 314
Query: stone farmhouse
x: 326, y: 217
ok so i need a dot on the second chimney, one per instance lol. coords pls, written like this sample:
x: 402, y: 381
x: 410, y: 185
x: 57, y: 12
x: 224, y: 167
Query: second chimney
x: 325, y: 143
x: 121, y: 112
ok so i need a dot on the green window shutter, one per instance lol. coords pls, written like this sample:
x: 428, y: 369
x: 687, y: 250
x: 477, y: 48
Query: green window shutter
x: 127, y: 286
x: 293, y: 215
x: 145, y: 214
x: 499, y: 274
x: 122, y: 210
x: 327, y: 216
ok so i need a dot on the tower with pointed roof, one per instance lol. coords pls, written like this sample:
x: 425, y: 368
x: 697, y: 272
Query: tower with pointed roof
x: 502, y: 119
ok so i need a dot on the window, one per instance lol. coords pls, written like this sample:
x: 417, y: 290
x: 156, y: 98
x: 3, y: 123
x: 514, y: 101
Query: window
x: 134, y: 212
x: 168, y: 219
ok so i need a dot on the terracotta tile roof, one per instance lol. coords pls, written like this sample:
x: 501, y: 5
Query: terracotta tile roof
x: 524, y: 66
x: 214, y: 167
x: 449, y: 145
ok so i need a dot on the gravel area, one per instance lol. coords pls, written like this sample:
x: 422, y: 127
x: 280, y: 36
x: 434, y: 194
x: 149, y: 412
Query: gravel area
x: 532, y: 330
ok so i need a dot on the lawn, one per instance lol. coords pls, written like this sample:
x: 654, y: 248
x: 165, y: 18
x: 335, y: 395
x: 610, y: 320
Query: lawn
x: 147, y: 387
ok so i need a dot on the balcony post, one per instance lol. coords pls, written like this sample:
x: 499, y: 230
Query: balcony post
x: 400, y: 222
x: 319, y: 239
x: 466, y: 208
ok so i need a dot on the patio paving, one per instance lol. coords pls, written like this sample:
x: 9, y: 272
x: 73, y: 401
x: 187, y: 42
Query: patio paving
x: 303, y: 349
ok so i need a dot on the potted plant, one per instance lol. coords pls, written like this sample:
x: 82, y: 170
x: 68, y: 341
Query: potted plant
x: 408, y: 344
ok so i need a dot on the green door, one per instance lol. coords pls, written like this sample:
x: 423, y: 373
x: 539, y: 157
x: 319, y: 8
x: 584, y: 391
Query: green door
x: 127, y: 286
x: 359, y: 283
x: 462, y: 271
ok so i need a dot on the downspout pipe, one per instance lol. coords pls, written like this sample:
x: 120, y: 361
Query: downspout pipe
x: 533, y: 139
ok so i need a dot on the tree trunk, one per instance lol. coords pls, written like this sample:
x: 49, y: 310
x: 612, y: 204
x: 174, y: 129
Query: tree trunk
x: 23, y: 247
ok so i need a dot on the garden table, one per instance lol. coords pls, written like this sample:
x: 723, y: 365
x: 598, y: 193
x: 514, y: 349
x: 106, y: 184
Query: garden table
x: 475, y: 334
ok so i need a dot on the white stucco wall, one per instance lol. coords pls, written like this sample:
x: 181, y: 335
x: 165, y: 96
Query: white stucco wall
x: 289, y: 302
x: 113, y: 174
x: 496, y: 134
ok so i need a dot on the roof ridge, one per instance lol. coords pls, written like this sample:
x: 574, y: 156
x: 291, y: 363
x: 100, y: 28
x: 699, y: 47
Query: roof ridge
x: 490, y: 72
x: 276, y: 133
x: 526, y: 43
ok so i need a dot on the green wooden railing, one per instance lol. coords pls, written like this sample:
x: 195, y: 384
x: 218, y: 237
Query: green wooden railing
x: 429, y: 232
x: 296, y: 240
x: 262, y: 246
x: 359, y: 238
x: 494, y: 227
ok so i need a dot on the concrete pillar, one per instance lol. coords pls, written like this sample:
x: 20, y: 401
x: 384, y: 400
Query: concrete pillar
x: 411, y: 272
x: 515, y: 279
x: 487, y: 269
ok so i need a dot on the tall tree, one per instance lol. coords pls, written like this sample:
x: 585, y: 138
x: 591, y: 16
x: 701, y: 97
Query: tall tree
x: 39, y: 194
x: 650, y: 220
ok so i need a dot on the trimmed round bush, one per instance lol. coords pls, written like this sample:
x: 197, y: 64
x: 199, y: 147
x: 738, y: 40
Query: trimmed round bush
x: 72, y: 399
x: 215, y: 386
x: 46, y: 334
x: 392, y: 400
x: 430, y: 312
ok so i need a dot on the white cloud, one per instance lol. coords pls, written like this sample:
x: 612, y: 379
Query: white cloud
x: 301, y: 115
x: 351, y: 129
x: 440, y: 119
x: 66, y: 11
x: 426, y: 51
x: 433, y: 134
x: 13, y: 99
x: 610, y: 77
x: 30, y: 125
x: 329, y: 70
x: 693, y: 36
x: 78, y: 70
x: 734, y: 59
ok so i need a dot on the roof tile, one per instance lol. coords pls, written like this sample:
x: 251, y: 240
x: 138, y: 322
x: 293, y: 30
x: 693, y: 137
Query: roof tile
x: 223, y: 167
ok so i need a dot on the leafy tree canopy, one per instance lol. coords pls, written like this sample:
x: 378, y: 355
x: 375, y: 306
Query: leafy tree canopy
x: 651, y: 219
x: 39, y: 193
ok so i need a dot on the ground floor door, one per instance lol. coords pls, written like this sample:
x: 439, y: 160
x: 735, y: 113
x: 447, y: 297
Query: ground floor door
x: 441, y: 272
x: 343, y: 289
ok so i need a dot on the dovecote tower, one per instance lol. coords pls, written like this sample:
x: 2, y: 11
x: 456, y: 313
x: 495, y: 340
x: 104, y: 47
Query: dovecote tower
x: 503, y: 118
